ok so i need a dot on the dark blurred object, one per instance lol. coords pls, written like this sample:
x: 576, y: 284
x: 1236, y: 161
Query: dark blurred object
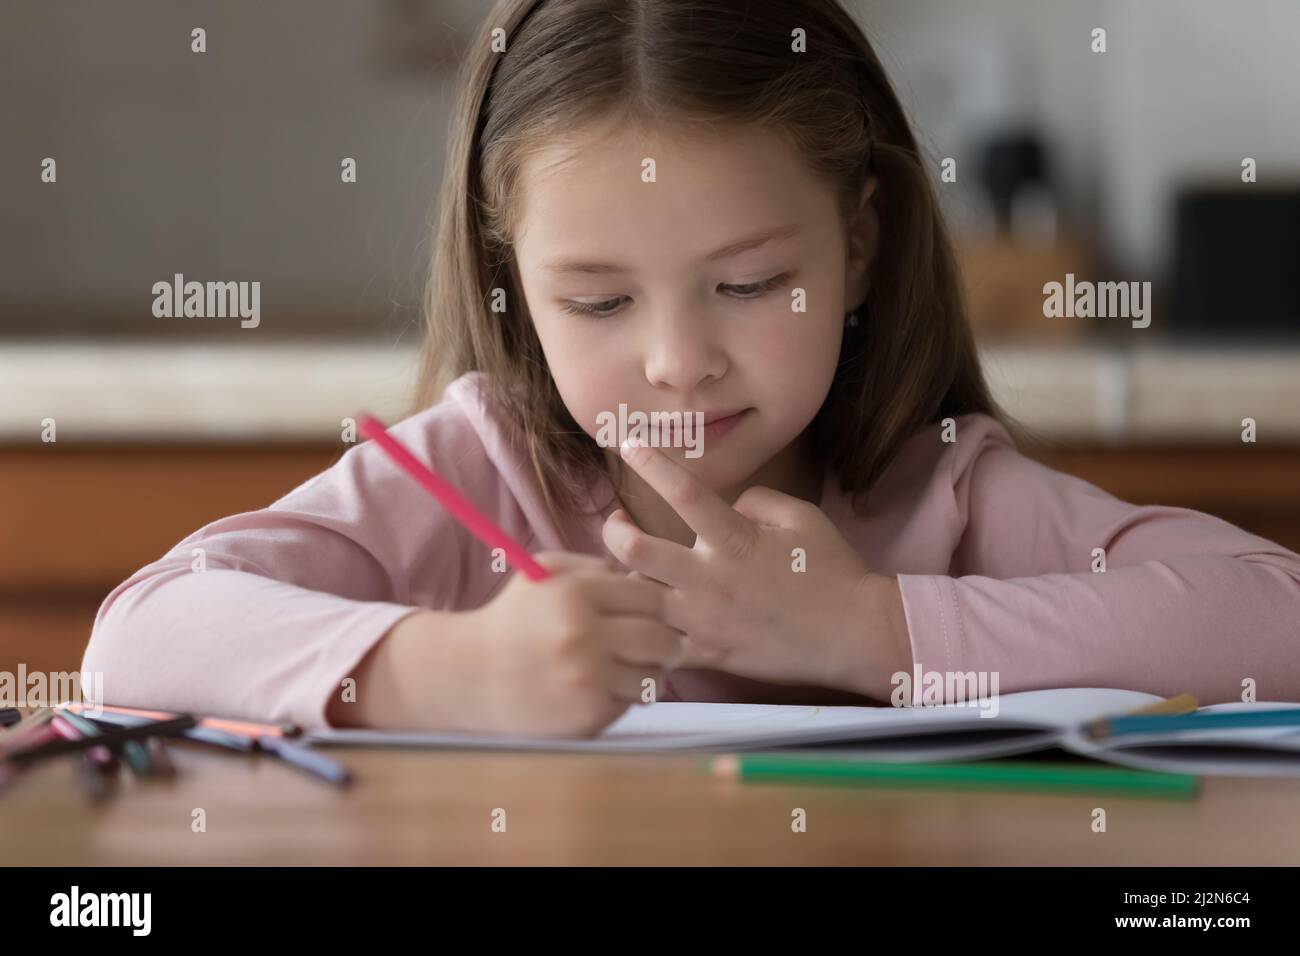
x: 1013, y: 168
x: 1236, y: 266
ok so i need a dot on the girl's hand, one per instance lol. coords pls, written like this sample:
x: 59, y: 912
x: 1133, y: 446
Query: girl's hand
x: 771, y: 590
x: 567, y: 655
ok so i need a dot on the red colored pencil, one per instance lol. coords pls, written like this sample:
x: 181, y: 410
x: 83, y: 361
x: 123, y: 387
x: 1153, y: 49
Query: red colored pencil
x: 478, y: 523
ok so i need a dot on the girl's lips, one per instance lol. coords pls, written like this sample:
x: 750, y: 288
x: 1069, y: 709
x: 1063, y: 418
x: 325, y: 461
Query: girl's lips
x: 712, y: 431
x: 716, y: 429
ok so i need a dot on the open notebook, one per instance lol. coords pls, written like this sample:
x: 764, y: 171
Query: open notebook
x: 1024, y: 722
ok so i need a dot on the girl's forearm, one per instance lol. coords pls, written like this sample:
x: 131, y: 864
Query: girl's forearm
x: 414, y: 677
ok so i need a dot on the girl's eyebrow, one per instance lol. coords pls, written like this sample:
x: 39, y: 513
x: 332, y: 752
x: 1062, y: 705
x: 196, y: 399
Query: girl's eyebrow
x: 726, y: 252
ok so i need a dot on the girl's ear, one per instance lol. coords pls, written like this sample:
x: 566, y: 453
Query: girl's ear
x: 863, y: 240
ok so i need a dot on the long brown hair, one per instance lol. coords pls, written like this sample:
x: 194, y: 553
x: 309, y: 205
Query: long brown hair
x: 911, y: 358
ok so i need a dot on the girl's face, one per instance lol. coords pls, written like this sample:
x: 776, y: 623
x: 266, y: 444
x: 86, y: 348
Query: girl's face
x: 682, y: 280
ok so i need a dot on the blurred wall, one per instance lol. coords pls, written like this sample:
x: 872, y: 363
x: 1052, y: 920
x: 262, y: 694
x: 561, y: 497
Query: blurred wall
x: 222, y: 165
x: 225, y: 165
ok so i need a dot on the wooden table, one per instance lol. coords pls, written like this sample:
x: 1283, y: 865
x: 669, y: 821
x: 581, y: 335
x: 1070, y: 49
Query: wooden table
x: 435, y: 808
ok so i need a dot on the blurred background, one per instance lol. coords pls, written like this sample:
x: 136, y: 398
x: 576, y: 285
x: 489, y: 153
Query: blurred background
x: 1170, y: 155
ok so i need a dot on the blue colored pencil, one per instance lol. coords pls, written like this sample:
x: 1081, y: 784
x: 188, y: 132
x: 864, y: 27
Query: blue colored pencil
x: 304, y: 758
x: 1232, y: 720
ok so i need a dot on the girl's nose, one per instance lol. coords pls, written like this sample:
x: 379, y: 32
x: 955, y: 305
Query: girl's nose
x: 680, y: 352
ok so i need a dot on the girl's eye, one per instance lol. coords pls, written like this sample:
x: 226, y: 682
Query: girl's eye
x: 590, y: 308
x: 750, y: 290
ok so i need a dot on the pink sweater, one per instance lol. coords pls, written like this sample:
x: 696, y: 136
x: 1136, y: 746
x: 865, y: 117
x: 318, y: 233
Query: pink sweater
x: 992, y: 551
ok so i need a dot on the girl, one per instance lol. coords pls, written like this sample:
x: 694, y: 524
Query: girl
x: 716, y: 209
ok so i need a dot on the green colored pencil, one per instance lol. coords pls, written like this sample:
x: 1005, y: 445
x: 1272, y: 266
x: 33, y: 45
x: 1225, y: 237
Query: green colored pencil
x: 994, y: 775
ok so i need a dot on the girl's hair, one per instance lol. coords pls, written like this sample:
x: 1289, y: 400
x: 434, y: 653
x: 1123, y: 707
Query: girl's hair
x: 911, y: 358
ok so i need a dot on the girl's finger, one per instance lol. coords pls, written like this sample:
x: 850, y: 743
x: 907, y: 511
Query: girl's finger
x: 657, y: 558
x: 617, y: 593
x: 643, y: 640
x: 703, y: 509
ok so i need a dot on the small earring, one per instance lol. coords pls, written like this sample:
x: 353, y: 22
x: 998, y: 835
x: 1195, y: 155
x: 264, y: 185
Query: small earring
x: 851, y: 320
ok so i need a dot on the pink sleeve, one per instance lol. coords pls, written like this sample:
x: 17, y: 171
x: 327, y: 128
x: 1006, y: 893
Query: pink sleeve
x: 292, y: 596
x: 1187, y: 602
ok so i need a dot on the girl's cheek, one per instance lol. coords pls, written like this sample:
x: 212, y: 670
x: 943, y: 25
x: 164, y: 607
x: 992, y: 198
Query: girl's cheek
x: 574, y: 346
x: 786, y: 331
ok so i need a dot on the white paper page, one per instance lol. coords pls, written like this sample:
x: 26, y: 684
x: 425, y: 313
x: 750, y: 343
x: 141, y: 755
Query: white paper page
x: 672, y: 725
